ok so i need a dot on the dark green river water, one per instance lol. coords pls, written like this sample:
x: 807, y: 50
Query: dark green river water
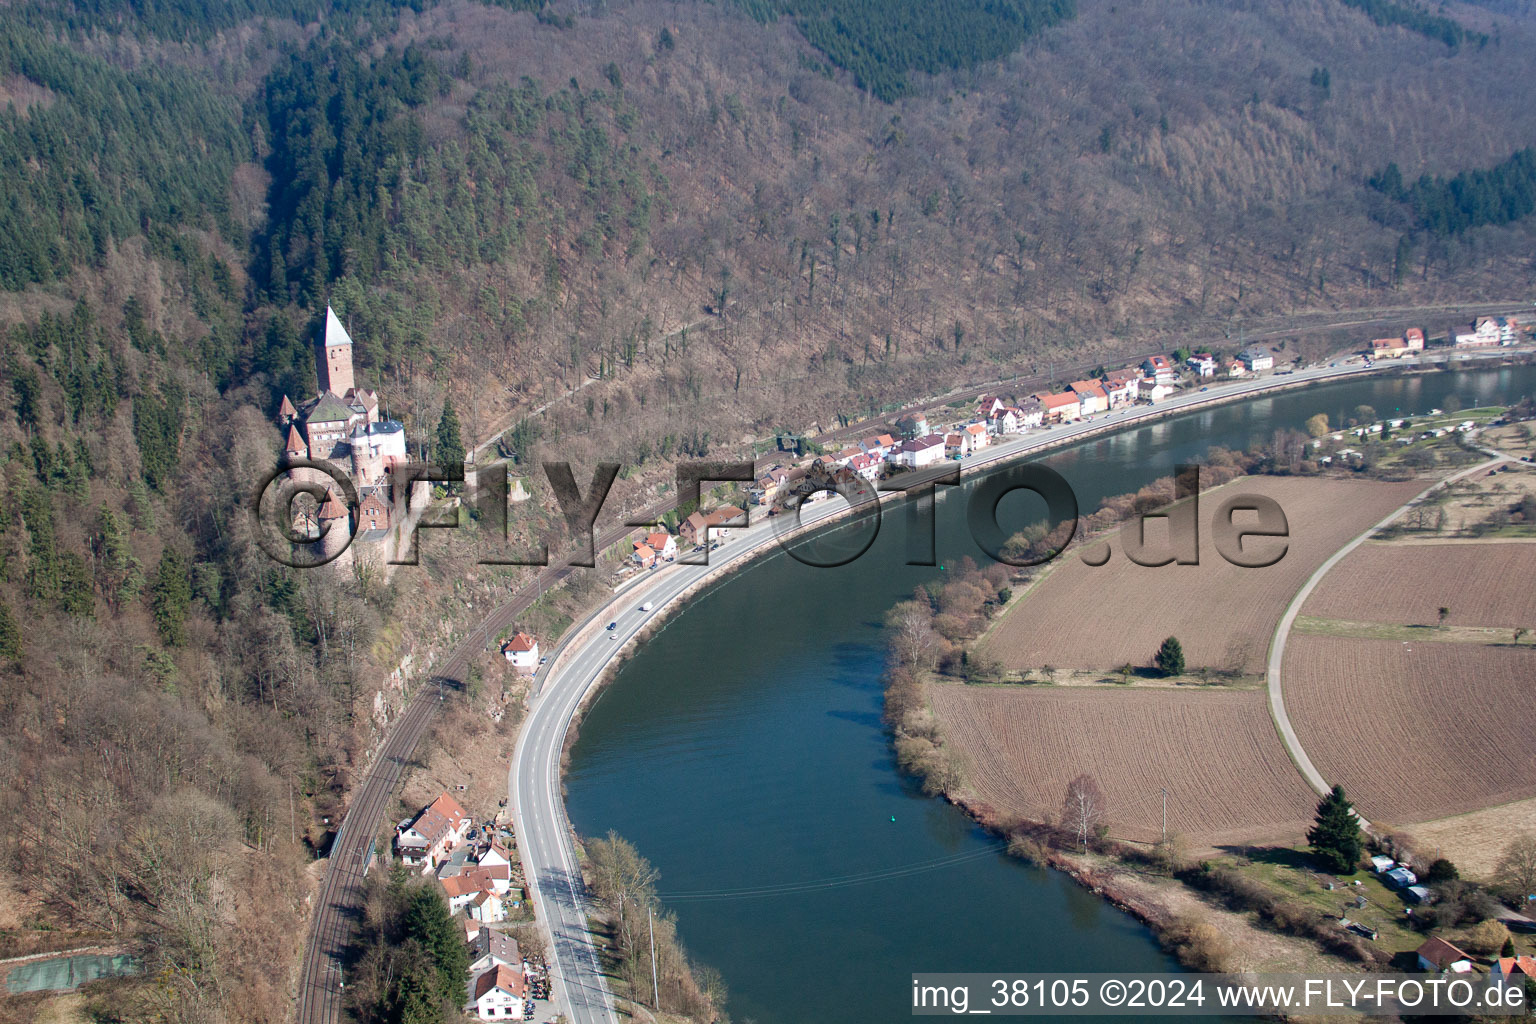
x: 742, y: 752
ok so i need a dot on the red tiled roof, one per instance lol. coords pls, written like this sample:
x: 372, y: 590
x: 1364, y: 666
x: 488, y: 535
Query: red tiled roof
x: 1440, y: 952
x: 503, y: 977
x: 295, y: 441
x: 521, y: 643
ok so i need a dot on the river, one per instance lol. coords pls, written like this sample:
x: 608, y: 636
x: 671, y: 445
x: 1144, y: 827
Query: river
x: 742, y: 752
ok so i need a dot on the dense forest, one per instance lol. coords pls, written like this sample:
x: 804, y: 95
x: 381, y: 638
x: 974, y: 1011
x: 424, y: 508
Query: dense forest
x: 1419, y: 19
x: 1501, y: 194
x: 636, y: 231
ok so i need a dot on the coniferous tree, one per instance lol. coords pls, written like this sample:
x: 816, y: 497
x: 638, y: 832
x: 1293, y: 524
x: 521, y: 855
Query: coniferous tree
x: 1170, y: 657
x: 450, y: 441
x: 170, y: 594
x: 1335, y: 836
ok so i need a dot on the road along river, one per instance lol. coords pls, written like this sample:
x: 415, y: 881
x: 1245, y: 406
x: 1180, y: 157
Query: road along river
x: 741, y: 750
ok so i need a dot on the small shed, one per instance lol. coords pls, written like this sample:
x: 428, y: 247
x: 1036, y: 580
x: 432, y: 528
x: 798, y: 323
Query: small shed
x: 1418, y: 893
x: 1381, y: 864
x: 1402, y: 877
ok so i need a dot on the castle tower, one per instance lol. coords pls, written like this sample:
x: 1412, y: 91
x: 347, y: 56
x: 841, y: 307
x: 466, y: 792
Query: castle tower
x: 333, y: 358
x: 333, y: 513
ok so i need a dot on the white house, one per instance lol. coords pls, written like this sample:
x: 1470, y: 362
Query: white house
x: 486, y: 907
x: 522, y: 651
x: 919, y: 451
x: 1256, y: 360
x: 866, y: 467
x: 1004, y: 421
x: 1155, y: 391
x: 1161, y: 369
x: 1235, y: 368
x: 663, y: 543
x: 1203, y: 364
x: 428, y: 839
x: 1123, y: 387
x: 499, y: 994
x: 1030, y: 413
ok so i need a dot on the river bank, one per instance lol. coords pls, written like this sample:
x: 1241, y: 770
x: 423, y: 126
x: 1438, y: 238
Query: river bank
x: 741, y: 749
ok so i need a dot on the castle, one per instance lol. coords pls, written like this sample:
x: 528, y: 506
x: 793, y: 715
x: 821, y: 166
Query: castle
x: 341, y: 425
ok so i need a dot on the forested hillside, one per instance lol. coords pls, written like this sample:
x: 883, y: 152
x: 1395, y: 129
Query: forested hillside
x: 716, y: 220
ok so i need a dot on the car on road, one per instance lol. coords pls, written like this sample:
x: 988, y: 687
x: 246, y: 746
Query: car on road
x: 647, y: 606
x: 613, y: 636
x: 613, y: 625
x: 1205, y: 389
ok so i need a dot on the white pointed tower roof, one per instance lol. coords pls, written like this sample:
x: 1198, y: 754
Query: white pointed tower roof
x: 335, y: 334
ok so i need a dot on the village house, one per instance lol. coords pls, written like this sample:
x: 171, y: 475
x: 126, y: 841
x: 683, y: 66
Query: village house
x: 1029, y: 413
x: 989, y: 407
x: 464, y: 887
x: 1122, y: 387
x: 1235, y: 368
x: 522, y: 651
x: 957, y: 445
x: 499, y: 994
x: 769, y: 487
x: 1161, y: 369
x: 1486, y: 330
x: 1388, y: 348
x: 698, y: 526
x: 1440, y: 956
x: 1203, y: 364
x: 431, y: 836
x: 1154, y: 390
x: 1256, y: 360
x: 914, y: 424
x: 1414, y: 338
x: 486, y: 907
x: 979, y: 436
x: 663, y: 543
x: 866, y: 467
x: 1063, y: 408
x: 877, y: 445
x: 918, y: 452
x: 1515, y: 970
x: 489, y: 947
x: 1091, y: 397
x: 644, y: 555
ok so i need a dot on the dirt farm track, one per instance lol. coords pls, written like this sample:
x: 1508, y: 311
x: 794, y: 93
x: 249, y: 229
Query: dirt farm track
x: 1415, y: 730
x: 1229, y: 779
x: 1103, y: 618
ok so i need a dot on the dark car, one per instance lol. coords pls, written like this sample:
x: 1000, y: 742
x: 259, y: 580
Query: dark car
x: 613, y: 625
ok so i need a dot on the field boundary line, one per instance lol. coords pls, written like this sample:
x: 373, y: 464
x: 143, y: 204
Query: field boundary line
x: 1277, y: 712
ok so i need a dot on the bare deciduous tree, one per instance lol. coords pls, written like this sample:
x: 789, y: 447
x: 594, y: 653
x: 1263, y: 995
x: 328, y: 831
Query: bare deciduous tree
x: 1083, y: 810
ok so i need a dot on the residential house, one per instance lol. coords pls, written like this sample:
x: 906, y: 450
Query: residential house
x: 432, y: 835
x: 644, y: 555
x: 1063, y: 408
x: 866, y: 467
x: 522, y: 651
x: 663, y: 543
x: 1091, y: 396
x: 1161, y: 369
x: 1154, y: 390
x: 769, y: 487
x: 1235, y: 368
x: 1004, y: 421
x: 1121, y: 389
x: 1485, y: 331
x: 1030, y: 413
x: 1514, y: 970
x: 486, y: 907
x: 697, y: 527
x: 979, y: 435
x: 957, y: 445
x: 499, y: 994
x: 489, y: 948
x: 918, y: 452
x: 877, y: 445
x: 1256, y: 360
x: 1389, y: 348
x: 989, y: 406
x: 1438, y: 955
x: 1414, y: 339
x: 465, y: 888
x: 912, y: 425
x: 1203, y: 364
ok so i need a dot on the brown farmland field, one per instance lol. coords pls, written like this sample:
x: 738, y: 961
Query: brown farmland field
x: 1229, y: 780
x: 1224, y: 615
x: 1407, y: 584
x: 1415, y: 731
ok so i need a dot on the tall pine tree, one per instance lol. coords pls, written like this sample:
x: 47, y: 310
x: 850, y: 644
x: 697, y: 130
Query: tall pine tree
x: 1335, y: 837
